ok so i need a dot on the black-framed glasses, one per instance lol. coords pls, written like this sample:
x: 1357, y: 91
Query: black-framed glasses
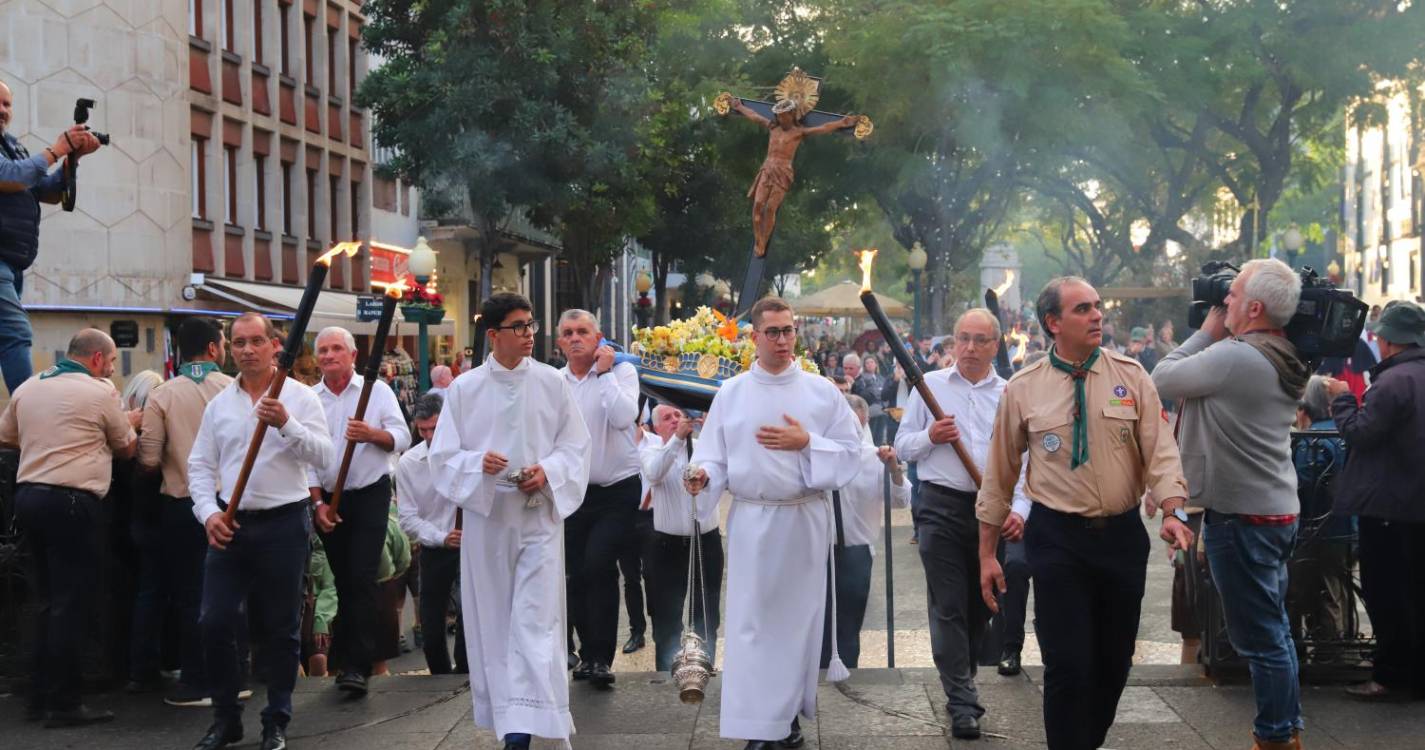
x: 979, y: 341
x: 779, y: 333
x: 522, y: 328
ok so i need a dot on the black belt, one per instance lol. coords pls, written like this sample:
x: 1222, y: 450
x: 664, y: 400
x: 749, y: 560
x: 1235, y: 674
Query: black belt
x: 384, y: 480
x: 1095, y: 523
x: 665, y: 537
x: 57, y: 488
x: 266, y: 514
x: 951, y: 491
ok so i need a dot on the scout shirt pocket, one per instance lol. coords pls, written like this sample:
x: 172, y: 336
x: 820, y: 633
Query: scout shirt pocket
x: 1050, y: 437
x: 1122, y: 425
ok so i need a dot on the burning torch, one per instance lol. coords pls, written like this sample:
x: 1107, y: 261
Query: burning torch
x: 913, y: 376
x: 290, y: 348
x: 370, y: 376
x: 1002, y: 363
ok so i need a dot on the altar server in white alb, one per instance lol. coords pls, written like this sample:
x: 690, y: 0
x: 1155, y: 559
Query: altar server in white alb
x: 512, y: 451
x: 779, y: 440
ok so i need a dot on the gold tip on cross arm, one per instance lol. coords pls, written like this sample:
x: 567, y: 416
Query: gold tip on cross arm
x: 868, y: 257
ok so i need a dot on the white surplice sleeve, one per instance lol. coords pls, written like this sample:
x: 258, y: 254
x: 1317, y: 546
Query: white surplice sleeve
x: 710, y: 451
x: 832, y: 460
x: 458, y: 474
x: 567, y: 468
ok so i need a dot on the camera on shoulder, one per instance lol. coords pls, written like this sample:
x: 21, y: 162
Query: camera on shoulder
x: 1327, y: 323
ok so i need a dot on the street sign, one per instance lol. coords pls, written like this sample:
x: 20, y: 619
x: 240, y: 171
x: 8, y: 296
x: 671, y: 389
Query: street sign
x: 368, y: 308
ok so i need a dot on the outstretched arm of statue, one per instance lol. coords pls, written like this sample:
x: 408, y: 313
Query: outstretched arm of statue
x: 749, y: 113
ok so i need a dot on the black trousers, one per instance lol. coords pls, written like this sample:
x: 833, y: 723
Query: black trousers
x: 60, y: 526
x: 668, y: 592
x: 177, y: 548
x: 853, y: 589
x: 1014, y: 604
x: 264, y: 565
x: 354, y: 554
x: 633, y: 564
x: 440, y: 575
x: 950, y: 552
x: 1088, y: 590
x: 594, y: 536
x: 1393, y: 584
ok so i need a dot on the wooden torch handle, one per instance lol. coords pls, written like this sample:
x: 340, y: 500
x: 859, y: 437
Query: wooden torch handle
x: 253, y: 447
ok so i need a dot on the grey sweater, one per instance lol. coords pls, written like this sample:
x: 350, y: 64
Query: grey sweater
x: 1236, y: 426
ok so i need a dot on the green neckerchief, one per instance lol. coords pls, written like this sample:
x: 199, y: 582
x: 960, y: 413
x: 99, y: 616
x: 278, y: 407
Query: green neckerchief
x: 65, y: 366
x: 1079, y: 373
x: 197, y: 371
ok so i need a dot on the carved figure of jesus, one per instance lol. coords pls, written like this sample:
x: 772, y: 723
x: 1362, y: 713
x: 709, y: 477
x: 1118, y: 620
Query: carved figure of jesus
x: 774, y: 179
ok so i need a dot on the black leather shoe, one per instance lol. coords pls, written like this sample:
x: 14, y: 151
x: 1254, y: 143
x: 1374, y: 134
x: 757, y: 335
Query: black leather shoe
x: 353, y: 683
x: 635, y: 642
x: 220, y: 735
x: 79, y: 716
x: 573, y: 660
x: 795, y: 739
x: 273, y: 738
x: 601, y: 677
x: 1009, y: 665
x: 35, y: 713
x: 965, y: 728
x: 152, y: 685
x: 584, y: 671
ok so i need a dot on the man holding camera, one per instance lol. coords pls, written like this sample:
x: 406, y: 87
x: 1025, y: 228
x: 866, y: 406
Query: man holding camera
x: 1381, y: 486
x: 1240, y: 379
x: 25, y: 181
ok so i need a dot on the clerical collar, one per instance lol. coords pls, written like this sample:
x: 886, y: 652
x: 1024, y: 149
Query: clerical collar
x: 761, y: 375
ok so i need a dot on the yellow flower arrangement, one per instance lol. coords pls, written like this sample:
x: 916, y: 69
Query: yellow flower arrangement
x: 706, y: 332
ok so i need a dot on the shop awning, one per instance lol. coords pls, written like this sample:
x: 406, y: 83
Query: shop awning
x: 333, y: 308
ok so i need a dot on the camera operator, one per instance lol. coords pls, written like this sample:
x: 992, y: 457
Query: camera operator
x: 1240, y: 397
x: 1381, y: 484
x: 25, y: 180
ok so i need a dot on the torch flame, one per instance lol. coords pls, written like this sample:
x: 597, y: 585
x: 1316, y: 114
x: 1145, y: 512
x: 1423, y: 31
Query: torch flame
x: 1008, y: 282
x: 868, y: 257
x: 1020, y: 345
x: 392, y: 290
x: 350, y: 248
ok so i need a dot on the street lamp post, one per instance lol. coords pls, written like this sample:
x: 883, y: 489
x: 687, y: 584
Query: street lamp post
x: 422, y: 265
x: 1292, y: 242
x: 916, y: 261
x: 642, y: 307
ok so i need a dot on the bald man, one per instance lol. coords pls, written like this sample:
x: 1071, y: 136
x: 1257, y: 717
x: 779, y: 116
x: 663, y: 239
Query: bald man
x: 69, y: 426
x: 25, y: 181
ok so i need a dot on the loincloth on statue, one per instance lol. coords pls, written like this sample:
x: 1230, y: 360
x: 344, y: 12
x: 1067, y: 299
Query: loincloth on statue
x: 775, y: 173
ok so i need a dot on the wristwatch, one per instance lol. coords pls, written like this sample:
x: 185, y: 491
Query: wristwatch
x: 1179, y: 514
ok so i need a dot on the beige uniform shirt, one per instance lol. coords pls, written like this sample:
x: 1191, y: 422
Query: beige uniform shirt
x: 1130, y: 445
x: 68, y: 427
x: 170, y: 423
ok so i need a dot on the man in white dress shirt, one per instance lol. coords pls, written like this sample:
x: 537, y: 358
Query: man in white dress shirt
x: 779, y: 439
x: 597, y: 534
x: 434, y: 524
x: 355, y: 533
x: 969, y: 393
x: 510, y: 448
x: 664, y: 458
x: 262, y: 556
x: 859, y: 510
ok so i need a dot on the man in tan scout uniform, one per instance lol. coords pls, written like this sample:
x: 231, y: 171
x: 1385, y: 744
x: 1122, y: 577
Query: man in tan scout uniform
x: 69, y: 426
x: 1092, y: 423
x: 170, y: 424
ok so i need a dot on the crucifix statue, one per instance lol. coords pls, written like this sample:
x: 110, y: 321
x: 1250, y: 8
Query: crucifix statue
x: 789, y: 120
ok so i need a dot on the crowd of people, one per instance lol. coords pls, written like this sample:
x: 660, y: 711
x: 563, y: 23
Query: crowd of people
x: 567, y: 480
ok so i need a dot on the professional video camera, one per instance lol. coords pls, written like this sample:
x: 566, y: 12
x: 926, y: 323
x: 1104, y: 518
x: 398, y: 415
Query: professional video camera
x: 71, y: 163
x: 1327, y: 323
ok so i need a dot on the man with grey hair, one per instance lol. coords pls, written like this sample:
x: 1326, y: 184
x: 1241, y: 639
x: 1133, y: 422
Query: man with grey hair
x: 1239, y: 380
x: 596, y: 534
x: 354, y: 538
x: 69, y: 426
x: 969, y: 392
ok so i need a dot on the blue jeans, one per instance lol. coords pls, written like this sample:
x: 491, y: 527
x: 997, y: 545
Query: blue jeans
x: 1248, y: 564
x: 15, y: 333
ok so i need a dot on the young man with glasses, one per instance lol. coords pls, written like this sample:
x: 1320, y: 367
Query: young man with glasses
x: 779, y: 439
x: 969, y: 392
x: 511, y: 450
